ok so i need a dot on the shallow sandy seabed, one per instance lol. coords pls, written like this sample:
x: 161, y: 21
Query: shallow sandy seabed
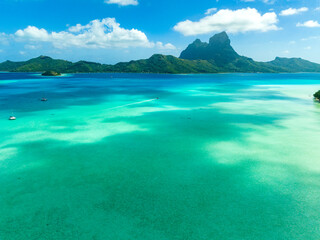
x: 215, y: 157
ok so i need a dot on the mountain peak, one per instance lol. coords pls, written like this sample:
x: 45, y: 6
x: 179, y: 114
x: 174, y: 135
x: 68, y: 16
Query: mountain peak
x: 220, y: 39
x: 197, y: 41
x: 218, y: 50
x: 40, y: 58
x: 44, y: 57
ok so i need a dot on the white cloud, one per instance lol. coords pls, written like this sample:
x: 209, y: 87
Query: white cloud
x: 311, y: 38
x: 122, y: 2
x: 211, y: 10
x: 76, y: 28
x: 269, y: 1
x: 167, y: 46
x: 105, y: 33
x: 317, y: 9
x: 242, y: 20
x: 34, y: 34
x: 309, y: 24
x: 293, y: 11
x: 32, y: 47
x: 4, y: 39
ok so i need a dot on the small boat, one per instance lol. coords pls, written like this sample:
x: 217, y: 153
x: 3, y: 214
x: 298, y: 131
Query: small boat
x: 12, y: 118
x: 44, y: 99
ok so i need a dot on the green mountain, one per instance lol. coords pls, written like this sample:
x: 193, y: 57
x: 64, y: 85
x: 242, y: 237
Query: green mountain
x: 10, y: 66
x: 44, y: 63
x: 166, y: 64
x: 217, y: 56
x: 218, y: 50
x: 294, y: 65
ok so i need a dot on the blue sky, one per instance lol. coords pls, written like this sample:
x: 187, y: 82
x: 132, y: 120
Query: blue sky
x: 110, y: 31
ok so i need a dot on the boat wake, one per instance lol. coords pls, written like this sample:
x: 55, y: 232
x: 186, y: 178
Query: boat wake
x: 135, y: 103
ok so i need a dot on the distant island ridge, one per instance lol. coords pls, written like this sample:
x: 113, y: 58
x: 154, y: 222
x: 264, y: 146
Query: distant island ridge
x: 216, y: 56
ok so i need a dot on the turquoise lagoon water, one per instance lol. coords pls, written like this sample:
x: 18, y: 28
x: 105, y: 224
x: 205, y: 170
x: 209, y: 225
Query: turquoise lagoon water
x: 230, y: 156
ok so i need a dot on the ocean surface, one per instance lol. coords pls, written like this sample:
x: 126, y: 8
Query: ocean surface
x: 225, y: 156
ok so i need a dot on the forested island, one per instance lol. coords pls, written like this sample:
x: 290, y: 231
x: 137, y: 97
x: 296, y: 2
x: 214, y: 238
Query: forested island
x: 216, y: 56
x: 51, y: 74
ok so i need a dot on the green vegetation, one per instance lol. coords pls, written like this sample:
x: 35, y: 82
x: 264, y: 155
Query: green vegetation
x: 51, y: 73
x: 317, y: 95
x: 293, y: 65
x: 217, y: 56
x: 166, y: 64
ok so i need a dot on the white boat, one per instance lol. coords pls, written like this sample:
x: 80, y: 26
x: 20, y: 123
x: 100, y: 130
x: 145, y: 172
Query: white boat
x: 44, y: 99
x: 12, y: 118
